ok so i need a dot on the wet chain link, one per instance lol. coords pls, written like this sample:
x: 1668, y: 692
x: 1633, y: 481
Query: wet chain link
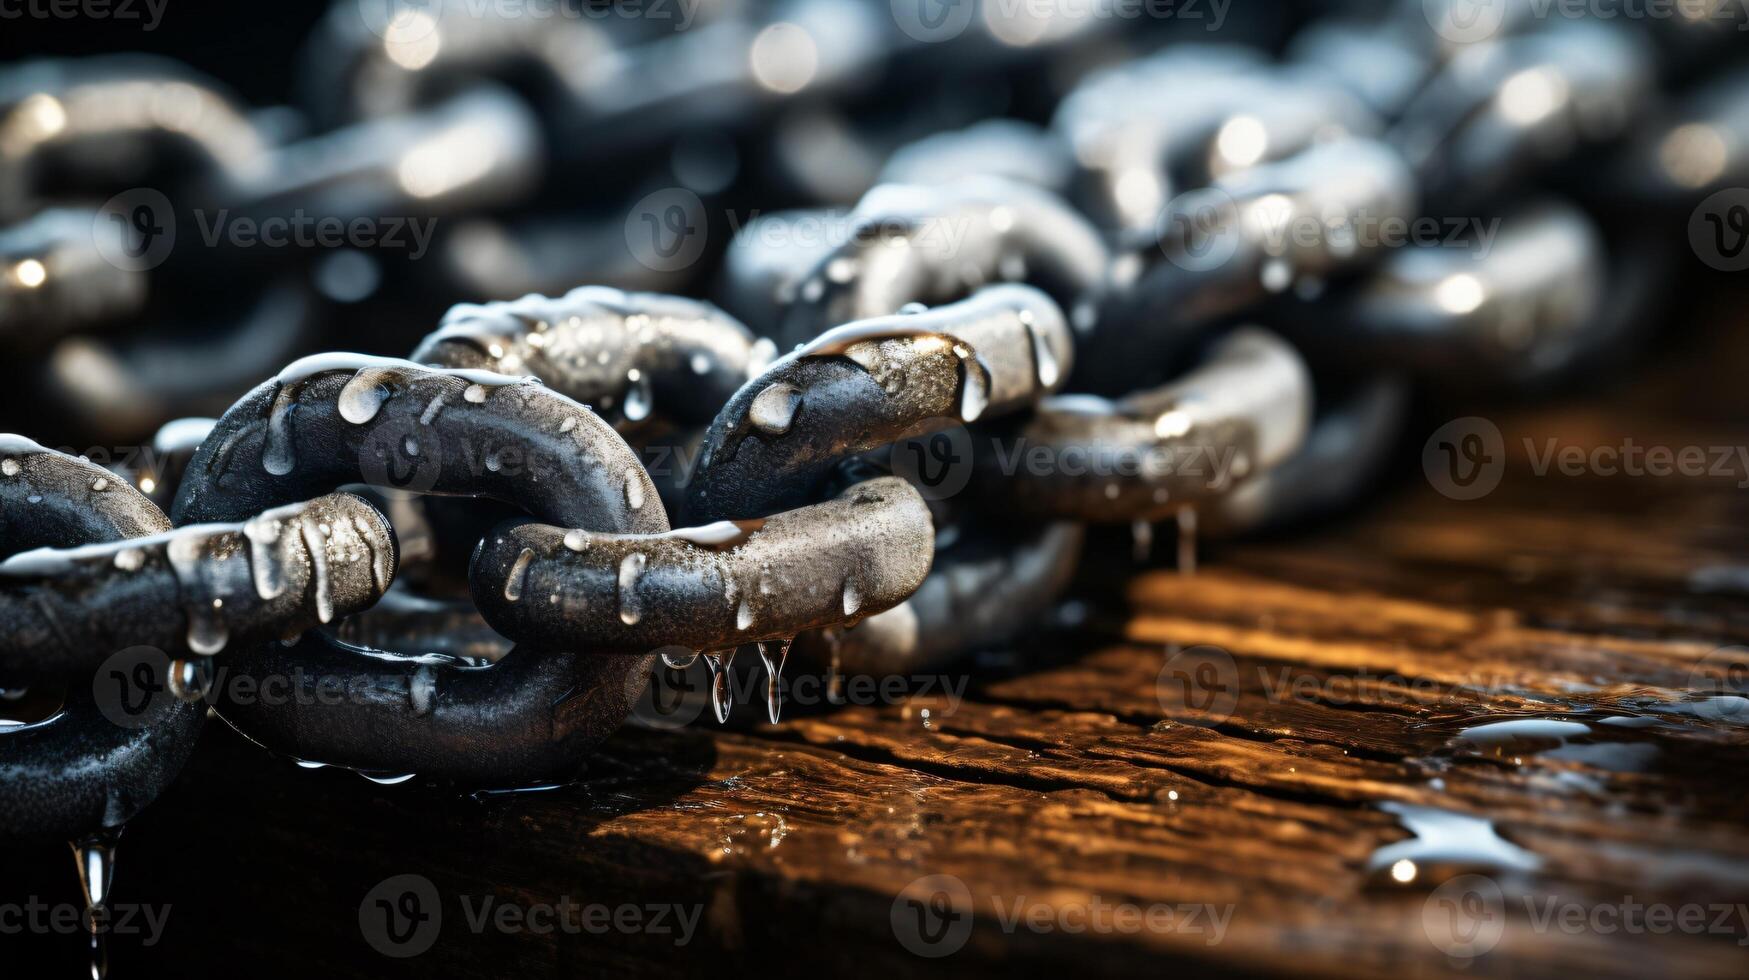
x: 1124, y: 254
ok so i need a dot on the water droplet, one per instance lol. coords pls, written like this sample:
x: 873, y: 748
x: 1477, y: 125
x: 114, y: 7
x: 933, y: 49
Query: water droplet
x: 569, y: 423
x: 577, y: 539
x: 639, y: 398
x: 679, y: 659
x: 130, y: 559
x: 474, y: 394
x: 841, y: 269
x: 422, y: 690
x: 852, y: 597
x: 774, y: 408
x: 974, y: 384
x: 774, y: 654
x: 95, y: 857
x: 99, y: 485
x: 630, y: 567
x: 634, y: 488
x: 207, y: 634
x: 10, y: 467
x: 411, y: 445
x: 363, y: 395
x: 277, y: 455
x: 743, y: 616
x: 518, y: 572
x: 187, y: 682
x: 432, y: 407
x: 722, y: 691
x: 380, y: 572
x: 1046, y: 367
x: 320, y: 593
x: 262, y: 533
x: 701, y: 364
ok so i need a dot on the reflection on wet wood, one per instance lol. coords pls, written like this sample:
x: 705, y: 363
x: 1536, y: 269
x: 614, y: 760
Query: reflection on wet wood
x: 1513, y: 677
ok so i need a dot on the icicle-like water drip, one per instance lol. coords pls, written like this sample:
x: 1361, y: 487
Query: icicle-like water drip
x: 639, y: 397
x: 262, y: 532
x: 722, y: 690
x: 207, y: 633
x: 1044, y: 359
x: 277, y: 455
x: 974, y: 384
x: 774, y: 654
x: 95, y: 857
x: 321, y: 591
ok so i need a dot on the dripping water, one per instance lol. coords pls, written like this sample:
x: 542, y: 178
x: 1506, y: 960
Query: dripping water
x: 363, y: 396
x: 774, y: 654
x: 513, y: 584
x: 1046, y: 367
x: 974, y: 383
x: 774, y: 408
x: 630, y: 567
x: 320, y: 593
x: 634, y: 488
x: 277, y: 456
x: 722, y: 692
x: 95, y: 857
x: 639, y: 398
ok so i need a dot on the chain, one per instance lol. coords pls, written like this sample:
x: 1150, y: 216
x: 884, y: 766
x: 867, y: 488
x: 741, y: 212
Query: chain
x: 1071, y: 310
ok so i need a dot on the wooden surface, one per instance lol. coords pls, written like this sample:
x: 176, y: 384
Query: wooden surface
x: 1064, y: 780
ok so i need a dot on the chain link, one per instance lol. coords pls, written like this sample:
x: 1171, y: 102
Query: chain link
x: 1125, y: 252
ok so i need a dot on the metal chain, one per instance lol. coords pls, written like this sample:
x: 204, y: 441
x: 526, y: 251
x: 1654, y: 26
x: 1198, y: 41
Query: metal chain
x: 1122, y: 254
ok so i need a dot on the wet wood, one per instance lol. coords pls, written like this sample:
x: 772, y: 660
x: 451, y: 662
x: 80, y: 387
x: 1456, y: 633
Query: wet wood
x: 1070, y: 776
